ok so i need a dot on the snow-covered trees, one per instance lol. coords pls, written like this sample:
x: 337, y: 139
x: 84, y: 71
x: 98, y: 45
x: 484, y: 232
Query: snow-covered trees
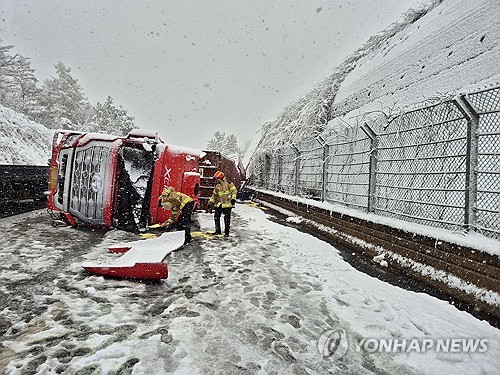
x: 60, y: 102
x: 226, y: 145
x: 107, y: 118
x: 63, y: 103
x: 17, y: 82
x: 65, y: 106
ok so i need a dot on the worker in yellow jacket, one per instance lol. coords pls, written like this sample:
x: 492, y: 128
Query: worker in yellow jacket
x: 223, y: 199
x: 181, y: 205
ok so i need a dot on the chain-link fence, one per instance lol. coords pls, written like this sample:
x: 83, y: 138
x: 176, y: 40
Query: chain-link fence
x: 486, y: 215
x: 421, y: 167
x: 437, y: 166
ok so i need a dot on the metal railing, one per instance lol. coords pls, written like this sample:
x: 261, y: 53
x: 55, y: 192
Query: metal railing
x: 438, y: 165
x: 22, y: 188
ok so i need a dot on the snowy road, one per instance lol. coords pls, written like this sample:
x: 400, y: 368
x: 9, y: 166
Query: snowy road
x: 257, y: 303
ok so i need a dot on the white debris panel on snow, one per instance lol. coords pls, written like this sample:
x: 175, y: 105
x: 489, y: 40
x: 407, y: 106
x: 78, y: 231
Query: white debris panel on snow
x: 153, y: 250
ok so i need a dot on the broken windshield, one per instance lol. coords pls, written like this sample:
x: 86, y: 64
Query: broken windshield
x: 135, y: 167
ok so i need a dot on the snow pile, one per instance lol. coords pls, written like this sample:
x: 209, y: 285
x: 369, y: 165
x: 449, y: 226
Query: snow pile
x: 23, y: 141
x: 294, y: 219
x: 380, y: 259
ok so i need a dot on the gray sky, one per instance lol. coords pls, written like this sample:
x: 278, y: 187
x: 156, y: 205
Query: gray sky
x: 187, y: 68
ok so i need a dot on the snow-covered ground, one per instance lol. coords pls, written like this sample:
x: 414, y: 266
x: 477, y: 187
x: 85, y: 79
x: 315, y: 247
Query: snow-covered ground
x: 23, y: 141
x: 264, y: 301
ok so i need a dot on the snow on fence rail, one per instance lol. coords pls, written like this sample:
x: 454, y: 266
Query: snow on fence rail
x: 438, y: 165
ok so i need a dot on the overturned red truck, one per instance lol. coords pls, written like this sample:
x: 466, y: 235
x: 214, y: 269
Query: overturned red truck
x: 110, y: 181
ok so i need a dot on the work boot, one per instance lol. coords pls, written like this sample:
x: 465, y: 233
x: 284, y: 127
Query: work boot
x: 187, y: 236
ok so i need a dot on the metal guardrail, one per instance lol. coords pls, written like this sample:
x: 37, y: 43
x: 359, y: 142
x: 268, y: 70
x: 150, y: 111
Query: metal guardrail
x: 438, y: 165
x: 22, y: 188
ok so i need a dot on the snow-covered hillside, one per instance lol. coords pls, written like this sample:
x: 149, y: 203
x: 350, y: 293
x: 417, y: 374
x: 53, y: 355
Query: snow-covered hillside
x: 441, y: 49
x: 22, y: 141
x: 453, y: 48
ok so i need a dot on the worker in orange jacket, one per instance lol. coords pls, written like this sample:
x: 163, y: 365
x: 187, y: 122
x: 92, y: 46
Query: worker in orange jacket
x: 181, y: 205
x: 223, y: 199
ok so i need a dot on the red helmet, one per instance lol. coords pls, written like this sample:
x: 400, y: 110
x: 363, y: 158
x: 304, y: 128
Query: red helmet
x: 219, y: 175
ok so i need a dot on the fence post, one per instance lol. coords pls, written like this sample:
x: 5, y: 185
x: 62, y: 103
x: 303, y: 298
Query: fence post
x: 324, y: 176
x: 372, y: 180
x: 267, y: 170
x: 297, y: 168
x: 472, y: 117
x: 280, y: 169
x: 262, y: 170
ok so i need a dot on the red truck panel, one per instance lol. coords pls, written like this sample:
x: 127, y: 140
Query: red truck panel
x: 176, y: 167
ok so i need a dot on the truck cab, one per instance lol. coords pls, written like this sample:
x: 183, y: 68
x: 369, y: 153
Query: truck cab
x: 110, y: 181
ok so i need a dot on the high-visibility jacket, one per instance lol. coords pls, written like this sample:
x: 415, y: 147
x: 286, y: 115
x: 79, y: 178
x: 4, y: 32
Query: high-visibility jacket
x: 175, y: 200
x: 223, y: 193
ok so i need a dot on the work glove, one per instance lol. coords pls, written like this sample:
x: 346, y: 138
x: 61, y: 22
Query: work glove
x: 209, y: 207
x: 167, y: 224
x: 233, y: 202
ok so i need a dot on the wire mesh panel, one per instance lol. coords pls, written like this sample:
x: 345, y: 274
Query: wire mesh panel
x: 289, y: 158
x: 257, y: 170
x: 273, y: 179
x: 422, y: 167
x: 487, y: 106
x: 348, y: 168
x: 311, y: 169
